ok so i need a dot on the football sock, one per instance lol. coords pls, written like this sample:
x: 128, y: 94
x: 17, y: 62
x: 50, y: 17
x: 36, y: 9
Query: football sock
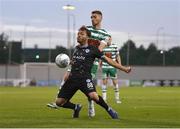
x: 90, y: 104
x: 69, y: 105
x: 104, y: 94
x: 116, y: 90
x: 102, y: 103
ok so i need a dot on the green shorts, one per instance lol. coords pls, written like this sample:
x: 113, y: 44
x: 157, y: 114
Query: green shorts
x: 109, y: 72
x: 94, y: 71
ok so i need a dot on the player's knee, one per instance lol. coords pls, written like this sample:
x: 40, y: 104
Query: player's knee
x: 103, y: 87
x: 104, y: 81
x: 94, y: 96
x: 60, y: 101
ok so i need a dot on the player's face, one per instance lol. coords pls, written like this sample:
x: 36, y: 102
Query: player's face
x: 96, y: 19
x: 82, y: 37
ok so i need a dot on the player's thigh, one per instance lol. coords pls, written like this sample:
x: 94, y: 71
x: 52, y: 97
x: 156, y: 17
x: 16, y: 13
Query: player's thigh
x: 94, y: 70
x: 68, y: 89
x: 104, y: 73
x: 93, y: 95
x: 113, y: 73
x: 87, y: 86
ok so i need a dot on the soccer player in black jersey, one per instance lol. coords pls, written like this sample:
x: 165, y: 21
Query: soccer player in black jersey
x: 99, y: 39
x: 80, y: 76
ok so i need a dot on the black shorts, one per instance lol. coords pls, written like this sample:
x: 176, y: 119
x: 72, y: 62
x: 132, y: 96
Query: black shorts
x: 72, y: 85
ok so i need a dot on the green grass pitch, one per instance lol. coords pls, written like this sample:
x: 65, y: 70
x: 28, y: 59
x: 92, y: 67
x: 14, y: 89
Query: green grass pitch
x: 141, y: 107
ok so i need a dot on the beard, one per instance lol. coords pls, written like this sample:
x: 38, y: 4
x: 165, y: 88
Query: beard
x: 81, y: 41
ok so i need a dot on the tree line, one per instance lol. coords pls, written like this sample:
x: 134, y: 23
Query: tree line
x: 150, y: 56
x: 11, y: 52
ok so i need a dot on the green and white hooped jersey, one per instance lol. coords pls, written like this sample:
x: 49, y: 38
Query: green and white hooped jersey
x: 111, y: 52
x: 98, y: 34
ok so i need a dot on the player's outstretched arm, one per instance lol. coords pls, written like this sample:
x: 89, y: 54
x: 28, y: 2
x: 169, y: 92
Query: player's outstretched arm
x: 117, y: 65
x: 102, y: 46
x: 104, y: 43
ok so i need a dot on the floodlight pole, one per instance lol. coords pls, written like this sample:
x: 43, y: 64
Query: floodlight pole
x: 164, y: 51
x: 68, y: 8
x: 74, y: 29
x: 157, y: 35
x: 49, y: 56
x: 24, y: 46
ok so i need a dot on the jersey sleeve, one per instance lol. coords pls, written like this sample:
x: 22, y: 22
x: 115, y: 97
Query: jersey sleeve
x: 105, y: 40
x: 106, y: 37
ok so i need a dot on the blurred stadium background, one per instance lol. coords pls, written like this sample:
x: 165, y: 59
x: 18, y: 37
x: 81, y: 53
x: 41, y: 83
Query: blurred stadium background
x: 151, y: 66
x: 155, y: 61
x: 25, y: 46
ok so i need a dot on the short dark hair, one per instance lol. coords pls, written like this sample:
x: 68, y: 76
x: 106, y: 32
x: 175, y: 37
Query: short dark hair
x: 97, y: 12
x: 83, y: 28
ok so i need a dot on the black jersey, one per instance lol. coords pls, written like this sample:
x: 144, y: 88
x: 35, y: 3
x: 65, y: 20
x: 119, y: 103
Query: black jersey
x: 82, y: 61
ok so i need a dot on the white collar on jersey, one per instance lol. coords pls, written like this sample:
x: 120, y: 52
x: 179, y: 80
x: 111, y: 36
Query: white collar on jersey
x: 83, y: 46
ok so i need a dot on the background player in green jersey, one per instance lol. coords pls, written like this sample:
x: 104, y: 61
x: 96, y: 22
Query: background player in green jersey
x: 109, y: 71
x: 100, y: 38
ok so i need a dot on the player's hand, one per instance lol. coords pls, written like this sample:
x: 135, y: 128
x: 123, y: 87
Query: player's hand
x: 128, y: 70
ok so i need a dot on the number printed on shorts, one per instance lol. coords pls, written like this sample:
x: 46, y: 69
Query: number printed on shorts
x: 89, y: 84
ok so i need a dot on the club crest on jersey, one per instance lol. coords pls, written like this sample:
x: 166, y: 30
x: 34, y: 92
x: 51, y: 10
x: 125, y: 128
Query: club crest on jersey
x: 87, y: 50
x: 88, y: 80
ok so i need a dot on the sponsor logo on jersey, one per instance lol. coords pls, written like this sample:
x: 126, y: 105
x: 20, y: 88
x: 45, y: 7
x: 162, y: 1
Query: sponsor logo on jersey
x: 79, y: 57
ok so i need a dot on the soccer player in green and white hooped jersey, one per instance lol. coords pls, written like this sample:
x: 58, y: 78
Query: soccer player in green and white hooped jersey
x: 102, y: 36
x: 99, y: 38
x: 109, y: 71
